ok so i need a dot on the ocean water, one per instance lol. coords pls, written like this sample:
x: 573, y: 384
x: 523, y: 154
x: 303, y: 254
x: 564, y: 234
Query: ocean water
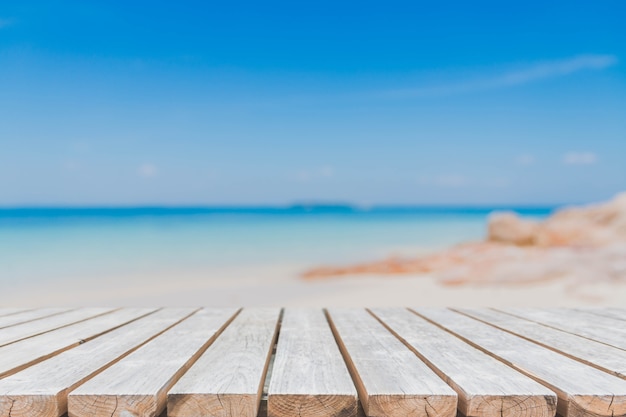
x: 90, y: 244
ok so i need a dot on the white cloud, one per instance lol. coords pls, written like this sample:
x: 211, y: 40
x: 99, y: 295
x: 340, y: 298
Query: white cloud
x: 71, y: 166
x: 497, y: 183
x: 79, y: 147
x: 462, y: 181
x: 307, y: 175
x: 580, y: 158
x: 532, y: 73
x: 445, y: 181
x: 147, y: 171
x: 550, y: 69
x: 326, y: 172
x: 525, y: 159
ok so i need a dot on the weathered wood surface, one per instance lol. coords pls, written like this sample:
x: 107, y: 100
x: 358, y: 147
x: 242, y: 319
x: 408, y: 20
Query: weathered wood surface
x: 614, y: 313
x: 130, y: 362
x: 7, y: 311
x: 20, y: 317
x: 138, y: 384
x: 390, y: 379
x: 602, y: 329
x: 227, y: 380
x: 60, y: 374
x: 582, y: 390
x: 19, y: 355
x: 486, y: 386
x: 309, y: 375
x: 22, y: 331
x: 599, y: 355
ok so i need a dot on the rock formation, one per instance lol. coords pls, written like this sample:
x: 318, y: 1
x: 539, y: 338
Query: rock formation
x: 596, y: 225
x: 581, y: 243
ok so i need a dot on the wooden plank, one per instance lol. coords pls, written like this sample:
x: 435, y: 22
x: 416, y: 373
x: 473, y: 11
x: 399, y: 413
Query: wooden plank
x: 588, y: 317
x: 138, y: 384
x: 7, y: 311
x: 26, y: 316
x: 309, y: 376
x: 618, y: 312
x: 390, y: 379
x: 33, y: 328
x: 614, y: 313
x: 41, y: 390
x: 18, y: 356
x: 500, y: 391
x: 596, y: 354
x: 581, y: 389
x: 228, y: 378
x: 602, y: 329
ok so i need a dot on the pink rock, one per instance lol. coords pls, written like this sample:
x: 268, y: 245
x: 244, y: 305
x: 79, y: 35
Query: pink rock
x: 507, y: 227
x: 594, y: 225
x: 585, y: 245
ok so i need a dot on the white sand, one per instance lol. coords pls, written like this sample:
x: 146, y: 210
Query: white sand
x: 263, y: 285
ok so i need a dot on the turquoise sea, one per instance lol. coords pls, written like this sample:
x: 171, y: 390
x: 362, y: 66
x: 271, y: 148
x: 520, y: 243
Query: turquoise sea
x: 89, y: 244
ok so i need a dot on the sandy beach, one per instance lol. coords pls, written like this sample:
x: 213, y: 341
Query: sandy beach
x: 281, y: 286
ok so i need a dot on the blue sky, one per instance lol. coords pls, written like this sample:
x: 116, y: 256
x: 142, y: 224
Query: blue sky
x: 193, y: 103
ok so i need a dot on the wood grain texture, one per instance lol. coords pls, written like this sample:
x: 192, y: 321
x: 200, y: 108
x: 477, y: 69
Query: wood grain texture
x: 22, y: 331
x: 614, y: 313
x: 390, y: 379
x: 486, y: 387
x: 599, y: 355
x: 228, y: 378
x: 18, y: 356
x: 602, y: 329
x: 7, y: 311
x: 26, y: 316
x: 137, y: 385
x: 60, y: 374
x: 309, y: 375
x: 581, y: 389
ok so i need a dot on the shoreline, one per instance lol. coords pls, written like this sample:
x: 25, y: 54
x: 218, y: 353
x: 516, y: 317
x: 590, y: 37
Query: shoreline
x: 280, y: 286
x: 575, y: 257
x: 585, y: 246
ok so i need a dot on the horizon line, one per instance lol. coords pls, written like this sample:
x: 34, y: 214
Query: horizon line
x: 303, y: 206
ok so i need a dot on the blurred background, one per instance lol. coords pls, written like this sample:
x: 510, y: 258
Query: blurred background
x: 312, y: 153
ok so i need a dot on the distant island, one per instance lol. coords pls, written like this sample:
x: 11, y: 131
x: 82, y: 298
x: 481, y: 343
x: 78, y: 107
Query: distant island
x: 131, y: 211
